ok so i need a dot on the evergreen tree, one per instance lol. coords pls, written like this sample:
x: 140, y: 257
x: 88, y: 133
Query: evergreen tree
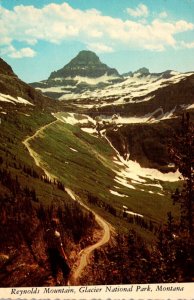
x: 182, y: 154
x: 176, y: 244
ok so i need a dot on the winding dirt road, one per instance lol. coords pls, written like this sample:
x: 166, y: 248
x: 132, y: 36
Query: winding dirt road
x: 84, y: 255
x: 34, y: 154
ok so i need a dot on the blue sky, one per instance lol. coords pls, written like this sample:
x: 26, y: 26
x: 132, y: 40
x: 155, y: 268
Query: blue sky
x: 38, y: 37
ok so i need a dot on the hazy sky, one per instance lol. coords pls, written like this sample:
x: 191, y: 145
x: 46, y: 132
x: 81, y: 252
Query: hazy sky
x: 38, y: 37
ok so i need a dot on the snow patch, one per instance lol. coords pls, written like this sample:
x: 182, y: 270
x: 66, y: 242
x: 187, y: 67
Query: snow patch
x: 160, y: 194
x: 73, y: 118
x: 9, y: 98
x: 94, y: 81
x: 89, y: 130
x: 134, y: 214
x: 124, y: 182
x: 54, y: 89
x: 133, y: 170
x: 117, y: 194
x: 125, y: 207
x: 190, y: 106
x: 155, y: 185
x: 23, y: 101
x: 72, y: 149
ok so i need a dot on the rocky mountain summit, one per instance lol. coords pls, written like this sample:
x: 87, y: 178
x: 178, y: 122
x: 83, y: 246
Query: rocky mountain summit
x: 84, y: 72
x: 85, y: 64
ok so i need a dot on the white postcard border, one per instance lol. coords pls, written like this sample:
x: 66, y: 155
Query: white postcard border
x: 130, y: 291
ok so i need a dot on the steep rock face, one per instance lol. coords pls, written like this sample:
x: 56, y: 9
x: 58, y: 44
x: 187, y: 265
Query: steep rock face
x: 11, y: 87
x: 85, y: 64
x: 5, y: 69
x: 146, y: 143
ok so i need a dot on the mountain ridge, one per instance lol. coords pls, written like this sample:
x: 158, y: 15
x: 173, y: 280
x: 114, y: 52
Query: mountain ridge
x: 86, y: 77
x: 84, y: 72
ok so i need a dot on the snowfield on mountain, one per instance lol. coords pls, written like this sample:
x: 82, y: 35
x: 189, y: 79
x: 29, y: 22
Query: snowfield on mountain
x: 8, y: 98
x: 132, y: 89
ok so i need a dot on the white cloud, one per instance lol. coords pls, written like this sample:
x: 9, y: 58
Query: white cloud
x: 24, y: 52
x: 98, y: 47
x: 182, y: 26
x: 140, y: 11
x: 56, y: 23
x: 14, y: 53
x: 6, y: 50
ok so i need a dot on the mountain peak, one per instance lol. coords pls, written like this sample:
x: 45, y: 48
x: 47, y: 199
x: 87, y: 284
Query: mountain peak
x: 143, y: 71
x: 86, y: 57
x: 85, y: 64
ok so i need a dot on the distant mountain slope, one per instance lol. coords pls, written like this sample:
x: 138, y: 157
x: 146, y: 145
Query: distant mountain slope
x: 94, y: 88
x: 150, y: 97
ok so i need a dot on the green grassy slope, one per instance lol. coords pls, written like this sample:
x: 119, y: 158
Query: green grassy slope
x: 28, y: 201
x: 15, y: 127
x: 82, y: 162
x: 85, y: 163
